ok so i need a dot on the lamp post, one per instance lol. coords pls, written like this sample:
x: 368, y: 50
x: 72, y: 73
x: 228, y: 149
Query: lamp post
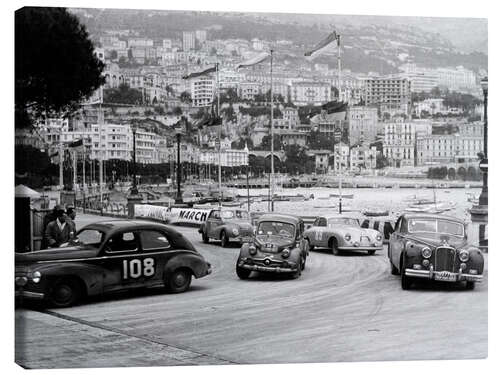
x: 178, y: 198
x: 134, y: 190
x: 483, y: 198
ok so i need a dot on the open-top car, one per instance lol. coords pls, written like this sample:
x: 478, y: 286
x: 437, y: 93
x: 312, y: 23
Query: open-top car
x: 109, y: 256
x: 278, y: 246
x: 343, y: 233
x: 227, y: 225
x: 433, y: 247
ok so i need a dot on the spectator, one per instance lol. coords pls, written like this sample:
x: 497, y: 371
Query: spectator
x: 58, y: 231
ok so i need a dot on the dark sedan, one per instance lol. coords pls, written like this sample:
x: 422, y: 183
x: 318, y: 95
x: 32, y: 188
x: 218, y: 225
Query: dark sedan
x: 109, y: 256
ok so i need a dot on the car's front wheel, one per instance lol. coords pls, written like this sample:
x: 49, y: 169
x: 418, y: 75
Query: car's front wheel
x: 64, y: 293
x: 334, y: 246
x: 224, y: 241
x: 204, y: 237
x: 405, y: 280
x: 242, y: 273
x: 470, y: 285
x: 179, y: 281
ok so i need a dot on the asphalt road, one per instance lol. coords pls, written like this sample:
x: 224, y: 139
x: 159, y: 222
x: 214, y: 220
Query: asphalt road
x: 342, y: 308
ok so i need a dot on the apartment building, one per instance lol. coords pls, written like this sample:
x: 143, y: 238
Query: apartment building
x: 202, y: 91
x: 399, y: 143
x: 388, y: 94
x: 362, y: 157
x: 310, y: 93
x: 362, y: 124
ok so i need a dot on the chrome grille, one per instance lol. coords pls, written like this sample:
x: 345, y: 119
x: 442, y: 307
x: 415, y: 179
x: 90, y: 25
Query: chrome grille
x: 444, y: 259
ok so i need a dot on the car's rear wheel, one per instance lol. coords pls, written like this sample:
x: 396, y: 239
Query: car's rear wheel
x: 224, y: 241
x: 405, y: 280
x: 242, y: 273
x: 179, y: 281
x: 470, y: 285
x: 334, y: 246
x: 371, y: 252
x: 65, y: 292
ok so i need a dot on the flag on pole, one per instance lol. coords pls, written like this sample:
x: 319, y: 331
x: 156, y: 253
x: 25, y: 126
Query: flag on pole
x: 201, y: 73
x: 261, y: 57
x: 322, y: 46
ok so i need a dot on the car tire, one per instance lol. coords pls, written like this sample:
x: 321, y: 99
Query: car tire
x: 309, y: 246
x: 65, y: 293
x: 243, y: 273
x: 205, y: 237
x: 303, y: 264
x: 371, y: 252
x: 405, y: 280
x: 298, y: 273
x: 179, y: 281
x: 470, y: 285
x: 394, y: 270
x: 224, y: 241
x: 334, y: 246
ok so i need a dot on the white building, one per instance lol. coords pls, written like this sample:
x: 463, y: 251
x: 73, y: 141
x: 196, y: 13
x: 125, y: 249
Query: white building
x: 399, y: 143
x: 188, y: 41
x: 341, y: 157
x: 202, y: 91
x: 363, y: 157
x: 362, y: 124
x: 201, y: 36
x: 310, y: 93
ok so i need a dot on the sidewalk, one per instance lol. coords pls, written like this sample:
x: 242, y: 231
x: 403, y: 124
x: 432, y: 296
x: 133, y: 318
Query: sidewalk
x: 50, y: 340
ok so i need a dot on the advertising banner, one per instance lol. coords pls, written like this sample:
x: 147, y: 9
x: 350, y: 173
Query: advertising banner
x: 174, y: 215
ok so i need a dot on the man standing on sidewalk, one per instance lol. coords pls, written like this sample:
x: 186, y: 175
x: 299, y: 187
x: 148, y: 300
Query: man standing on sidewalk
x: 58, y: 231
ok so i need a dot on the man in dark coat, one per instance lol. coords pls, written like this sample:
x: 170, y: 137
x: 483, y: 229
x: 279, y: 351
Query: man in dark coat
x: 58, y: 231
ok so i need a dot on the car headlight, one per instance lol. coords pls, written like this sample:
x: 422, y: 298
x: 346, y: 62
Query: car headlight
x: 463, y: 255
x: 252, y: 250
x: 285, y: 253
x: 235, y: 231
x: 347, y: 237
x: 378, y: 237
x: 36, y: 276
x: 426, y: 252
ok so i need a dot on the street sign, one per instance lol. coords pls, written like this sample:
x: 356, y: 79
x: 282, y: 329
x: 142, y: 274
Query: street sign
x: 483, y: 165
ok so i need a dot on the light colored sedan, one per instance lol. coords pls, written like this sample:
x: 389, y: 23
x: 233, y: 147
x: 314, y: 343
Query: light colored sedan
x: 342, y: 233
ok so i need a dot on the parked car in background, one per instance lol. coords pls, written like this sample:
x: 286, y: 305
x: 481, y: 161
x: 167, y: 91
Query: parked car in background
x: 227, y: 225
x: 433, y: 247
x: 343, y: 233
x: 278, y: 247
x: 109, y: 256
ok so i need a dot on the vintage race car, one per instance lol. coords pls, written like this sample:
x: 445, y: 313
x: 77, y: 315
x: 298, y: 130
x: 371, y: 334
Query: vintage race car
x: 108, y: 256
x: 433, y: 247
x: 342, y: 233
x: 278, y: 246
x: 227, y: 225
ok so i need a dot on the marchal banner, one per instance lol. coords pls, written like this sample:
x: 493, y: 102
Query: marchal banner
x: 174, y: 215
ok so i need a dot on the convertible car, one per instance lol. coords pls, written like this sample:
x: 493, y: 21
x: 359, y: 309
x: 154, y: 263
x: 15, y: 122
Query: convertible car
x: 108, y: 256
x: 342, y: 233
x: 433, y: 247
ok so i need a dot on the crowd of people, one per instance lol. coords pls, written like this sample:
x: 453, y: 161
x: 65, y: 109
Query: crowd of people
x: 59, y: 226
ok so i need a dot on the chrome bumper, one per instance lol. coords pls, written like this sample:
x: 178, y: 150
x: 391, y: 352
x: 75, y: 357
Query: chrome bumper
x: 362, y: 248
x: 259, y: 268
x: 28, y: 294
x: 430, y: 274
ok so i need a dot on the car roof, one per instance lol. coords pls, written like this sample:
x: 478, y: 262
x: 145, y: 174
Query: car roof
x: 280, y: 217
x: 116, y: 225
x: 338, y: 216
x: 430, y: 216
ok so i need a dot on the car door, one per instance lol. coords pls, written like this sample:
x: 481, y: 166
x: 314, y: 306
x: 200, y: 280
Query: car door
x: 122, y: 261
x: 320, y: 232
x: 396, y: 243
x: 213, y: 224
x: 154, y: 255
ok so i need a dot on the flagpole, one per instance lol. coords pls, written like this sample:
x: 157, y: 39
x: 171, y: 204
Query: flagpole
x: 61, y: 161
x: 220, y: 133
x: 339, y: 73
x: 272, y: 138
x: 100, y: 152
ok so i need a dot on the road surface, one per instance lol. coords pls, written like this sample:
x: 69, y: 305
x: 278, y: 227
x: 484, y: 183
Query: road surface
x: 342, y: 308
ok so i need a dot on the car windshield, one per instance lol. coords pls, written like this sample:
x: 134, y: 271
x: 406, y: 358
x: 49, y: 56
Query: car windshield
x: 342, y: 221
x: 235, y: 215
x: 90, y: 237
x: 436, y: 226
x: 276, y: 228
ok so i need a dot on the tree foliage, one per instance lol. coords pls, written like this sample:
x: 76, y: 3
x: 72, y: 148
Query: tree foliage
x: 123, y: 95
x: 55, y: 65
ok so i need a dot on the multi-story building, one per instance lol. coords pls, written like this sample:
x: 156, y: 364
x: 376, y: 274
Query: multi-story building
x: 362, y: 124
x: 228, y: 157
x: 140, y: 42
x: 201, y: 36
x: 291, y: 117
x: 436, y: 149
x: 291, y: 137
x: 113, y: 76
x: 399, y: 143
x: 422, y: 79
x: 202, y: 91
x: 391, y: 95
x: 188, y: 40
x: 341, y: 157
x: 310, y: 93
x: 431, y: 105
x: 248, y: 90
x: 457, y: 79
x: 363, y: 157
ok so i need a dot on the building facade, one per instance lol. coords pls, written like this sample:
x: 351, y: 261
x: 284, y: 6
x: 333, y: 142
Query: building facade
x: 362, y: 124
x: 390, y: 95
x: 310, y: 93
x: 399, y: 143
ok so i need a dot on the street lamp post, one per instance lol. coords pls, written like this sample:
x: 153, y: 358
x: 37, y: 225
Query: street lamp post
x: 483, y: 198
x: 178, y: 198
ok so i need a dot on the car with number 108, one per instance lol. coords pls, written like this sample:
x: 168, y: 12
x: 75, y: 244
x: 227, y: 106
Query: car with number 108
x: 109, y: 256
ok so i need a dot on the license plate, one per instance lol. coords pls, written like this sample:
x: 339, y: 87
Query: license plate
x: 246, y: 239
x: 445, y: 276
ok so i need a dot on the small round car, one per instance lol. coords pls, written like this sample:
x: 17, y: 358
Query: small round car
x: 109, y: 256
x: 278, y: 247
x: 343, y: 233
x: 227, y: 225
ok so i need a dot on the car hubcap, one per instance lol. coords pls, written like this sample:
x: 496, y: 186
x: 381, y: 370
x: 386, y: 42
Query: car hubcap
x: 180, y: 279
x: 63, y: 293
